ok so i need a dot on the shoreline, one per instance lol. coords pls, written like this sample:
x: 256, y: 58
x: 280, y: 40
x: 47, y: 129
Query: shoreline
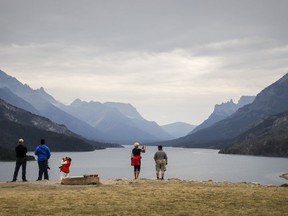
x: 285, y: 176
x: 107, y: 182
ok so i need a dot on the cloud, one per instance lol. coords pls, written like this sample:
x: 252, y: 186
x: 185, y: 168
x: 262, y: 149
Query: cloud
x: 172, y: 60
x: 226, y: 66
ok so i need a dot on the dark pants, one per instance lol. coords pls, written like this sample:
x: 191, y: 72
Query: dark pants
x: 43, y: 169
x: 20, y: 162
x: 137, y: 168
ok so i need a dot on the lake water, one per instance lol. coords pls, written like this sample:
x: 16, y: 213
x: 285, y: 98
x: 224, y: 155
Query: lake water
x: 187, y: 164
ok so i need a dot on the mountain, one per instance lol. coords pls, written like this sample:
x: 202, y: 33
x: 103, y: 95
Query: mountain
x: 17, y: 123
x: 8, y: 96
x: 269, y: 138
x: 126, y: 109
x: 270, y: 101
x: 118, y: 122
x: 45, y: 106
x: 222, y: 111
x: 178, y: 129
x: 108, y: 122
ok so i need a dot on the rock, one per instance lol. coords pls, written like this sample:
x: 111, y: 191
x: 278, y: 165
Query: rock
x: 81, y: 180
x: 285, y: 176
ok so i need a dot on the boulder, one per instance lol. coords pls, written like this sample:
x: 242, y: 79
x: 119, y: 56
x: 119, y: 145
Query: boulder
x: 81, y: 180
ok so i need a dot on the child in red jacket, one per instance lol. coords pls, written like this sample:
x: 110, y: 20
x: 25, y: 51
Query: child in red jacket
x: 65, y: 167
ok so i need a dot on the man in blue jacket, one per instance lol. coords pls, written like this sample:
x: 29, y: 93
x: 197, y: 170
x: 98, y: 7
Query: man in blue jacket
x: 43, y: 154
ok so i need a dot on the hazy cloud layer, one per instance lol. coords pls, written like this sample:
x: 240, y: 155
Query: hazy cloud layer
x: 172, y: 60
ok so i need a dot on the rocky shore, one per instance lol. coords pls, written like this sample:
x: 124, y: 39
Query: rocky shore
x: 285, y: 176
x: 57, y: 183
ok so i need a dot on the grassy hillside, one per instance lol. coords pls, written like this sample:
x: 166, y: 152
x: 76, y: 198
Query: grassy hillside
x: 144, y: 197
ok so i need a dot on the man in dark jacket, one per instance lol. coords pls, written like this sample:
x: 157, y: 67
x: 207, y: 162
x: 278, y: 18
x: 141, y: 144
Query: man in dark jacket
x: 21, y: 151
x: 43, y: 154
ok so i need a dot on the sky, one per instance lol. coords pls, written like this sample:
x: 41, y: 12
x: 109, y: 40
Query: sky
x: 173, y: 60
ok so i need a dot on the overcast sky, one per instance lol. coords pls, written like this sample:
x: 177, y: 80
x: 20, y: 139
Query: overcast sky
x: 173, y: 60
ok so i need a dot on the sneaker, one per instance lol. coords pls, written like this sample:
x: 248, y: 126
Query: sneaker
x: 13, y: 181
x: 24, y: 180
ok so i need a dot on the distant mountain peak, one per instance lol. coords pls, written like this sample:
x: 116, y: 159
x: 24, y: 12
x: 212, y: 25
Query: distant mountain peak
x: 178, y: 129
x: 228, y: 106
x: 76, y: 102
x: 41, y: 91
x: 224, y: 110
x: 252, y: 124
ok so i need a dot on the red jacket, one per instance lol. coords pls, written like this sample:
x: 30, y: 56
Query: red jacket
x: 66, y: 166
x: 136, y: 160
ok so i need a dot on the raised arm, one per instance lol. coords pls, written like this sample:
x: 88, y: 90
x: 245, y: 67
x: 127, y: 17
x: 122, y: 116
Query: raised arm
x: 143, y: 149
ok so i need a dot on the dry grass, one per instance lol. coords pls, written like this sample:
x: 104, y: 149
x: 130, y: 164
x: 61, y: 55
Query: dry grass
x: 145, y: 197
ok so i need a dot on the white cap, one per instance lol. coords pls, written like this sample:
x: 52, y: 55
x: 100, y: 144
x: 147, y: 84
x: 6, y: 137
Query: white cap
x: 21, y: 141
x: 136, y: 144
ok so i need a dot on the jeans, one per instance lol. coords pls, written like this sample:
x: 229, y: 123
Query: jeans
x: 43, y: 169
x: 20, y: 162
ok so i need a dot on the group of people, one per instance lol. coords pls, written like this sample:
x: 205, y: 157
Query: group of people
x: 43, y: 155
x: 160, y: 158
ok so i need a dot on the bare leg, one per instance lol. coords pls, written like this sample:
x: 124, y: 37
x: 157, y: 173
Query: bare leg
x: 157, y: 174
x: 137, y: 174
x: 162, y: 175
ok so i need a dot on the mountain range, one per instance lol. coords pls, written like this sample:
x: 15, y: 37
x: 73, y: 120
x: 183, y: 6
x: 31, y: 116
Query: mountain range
x: 119, y: 122
x: 255, y: 125
x: 224, y: 110
x: 269, y: 138
x: 178, y: 129
x: 272, y: 100
x: 17, y: 123
x: 107, y: 122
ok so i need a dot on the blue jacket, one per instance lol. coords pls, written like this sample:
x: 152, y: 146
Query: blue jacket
x: 42, y: 152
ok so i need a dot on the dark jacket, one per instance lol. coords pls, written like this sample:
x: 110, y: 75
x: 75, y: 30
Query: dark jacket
x: 21, y: 151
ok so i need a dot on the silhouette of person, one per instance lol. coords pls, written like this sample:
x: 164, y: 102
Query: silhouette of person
x: 21, y: 160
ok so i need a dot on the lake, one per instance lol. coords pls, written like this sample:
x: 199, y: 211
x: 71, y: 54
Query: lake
x: 186, y: 164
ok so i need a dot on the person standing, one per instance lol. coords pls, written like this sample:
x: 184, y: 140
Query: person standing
x: 161, y: 161
x: 43, y: 155
x: 21, y: 160
x: 65, y: 167
x: 136, y: 159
